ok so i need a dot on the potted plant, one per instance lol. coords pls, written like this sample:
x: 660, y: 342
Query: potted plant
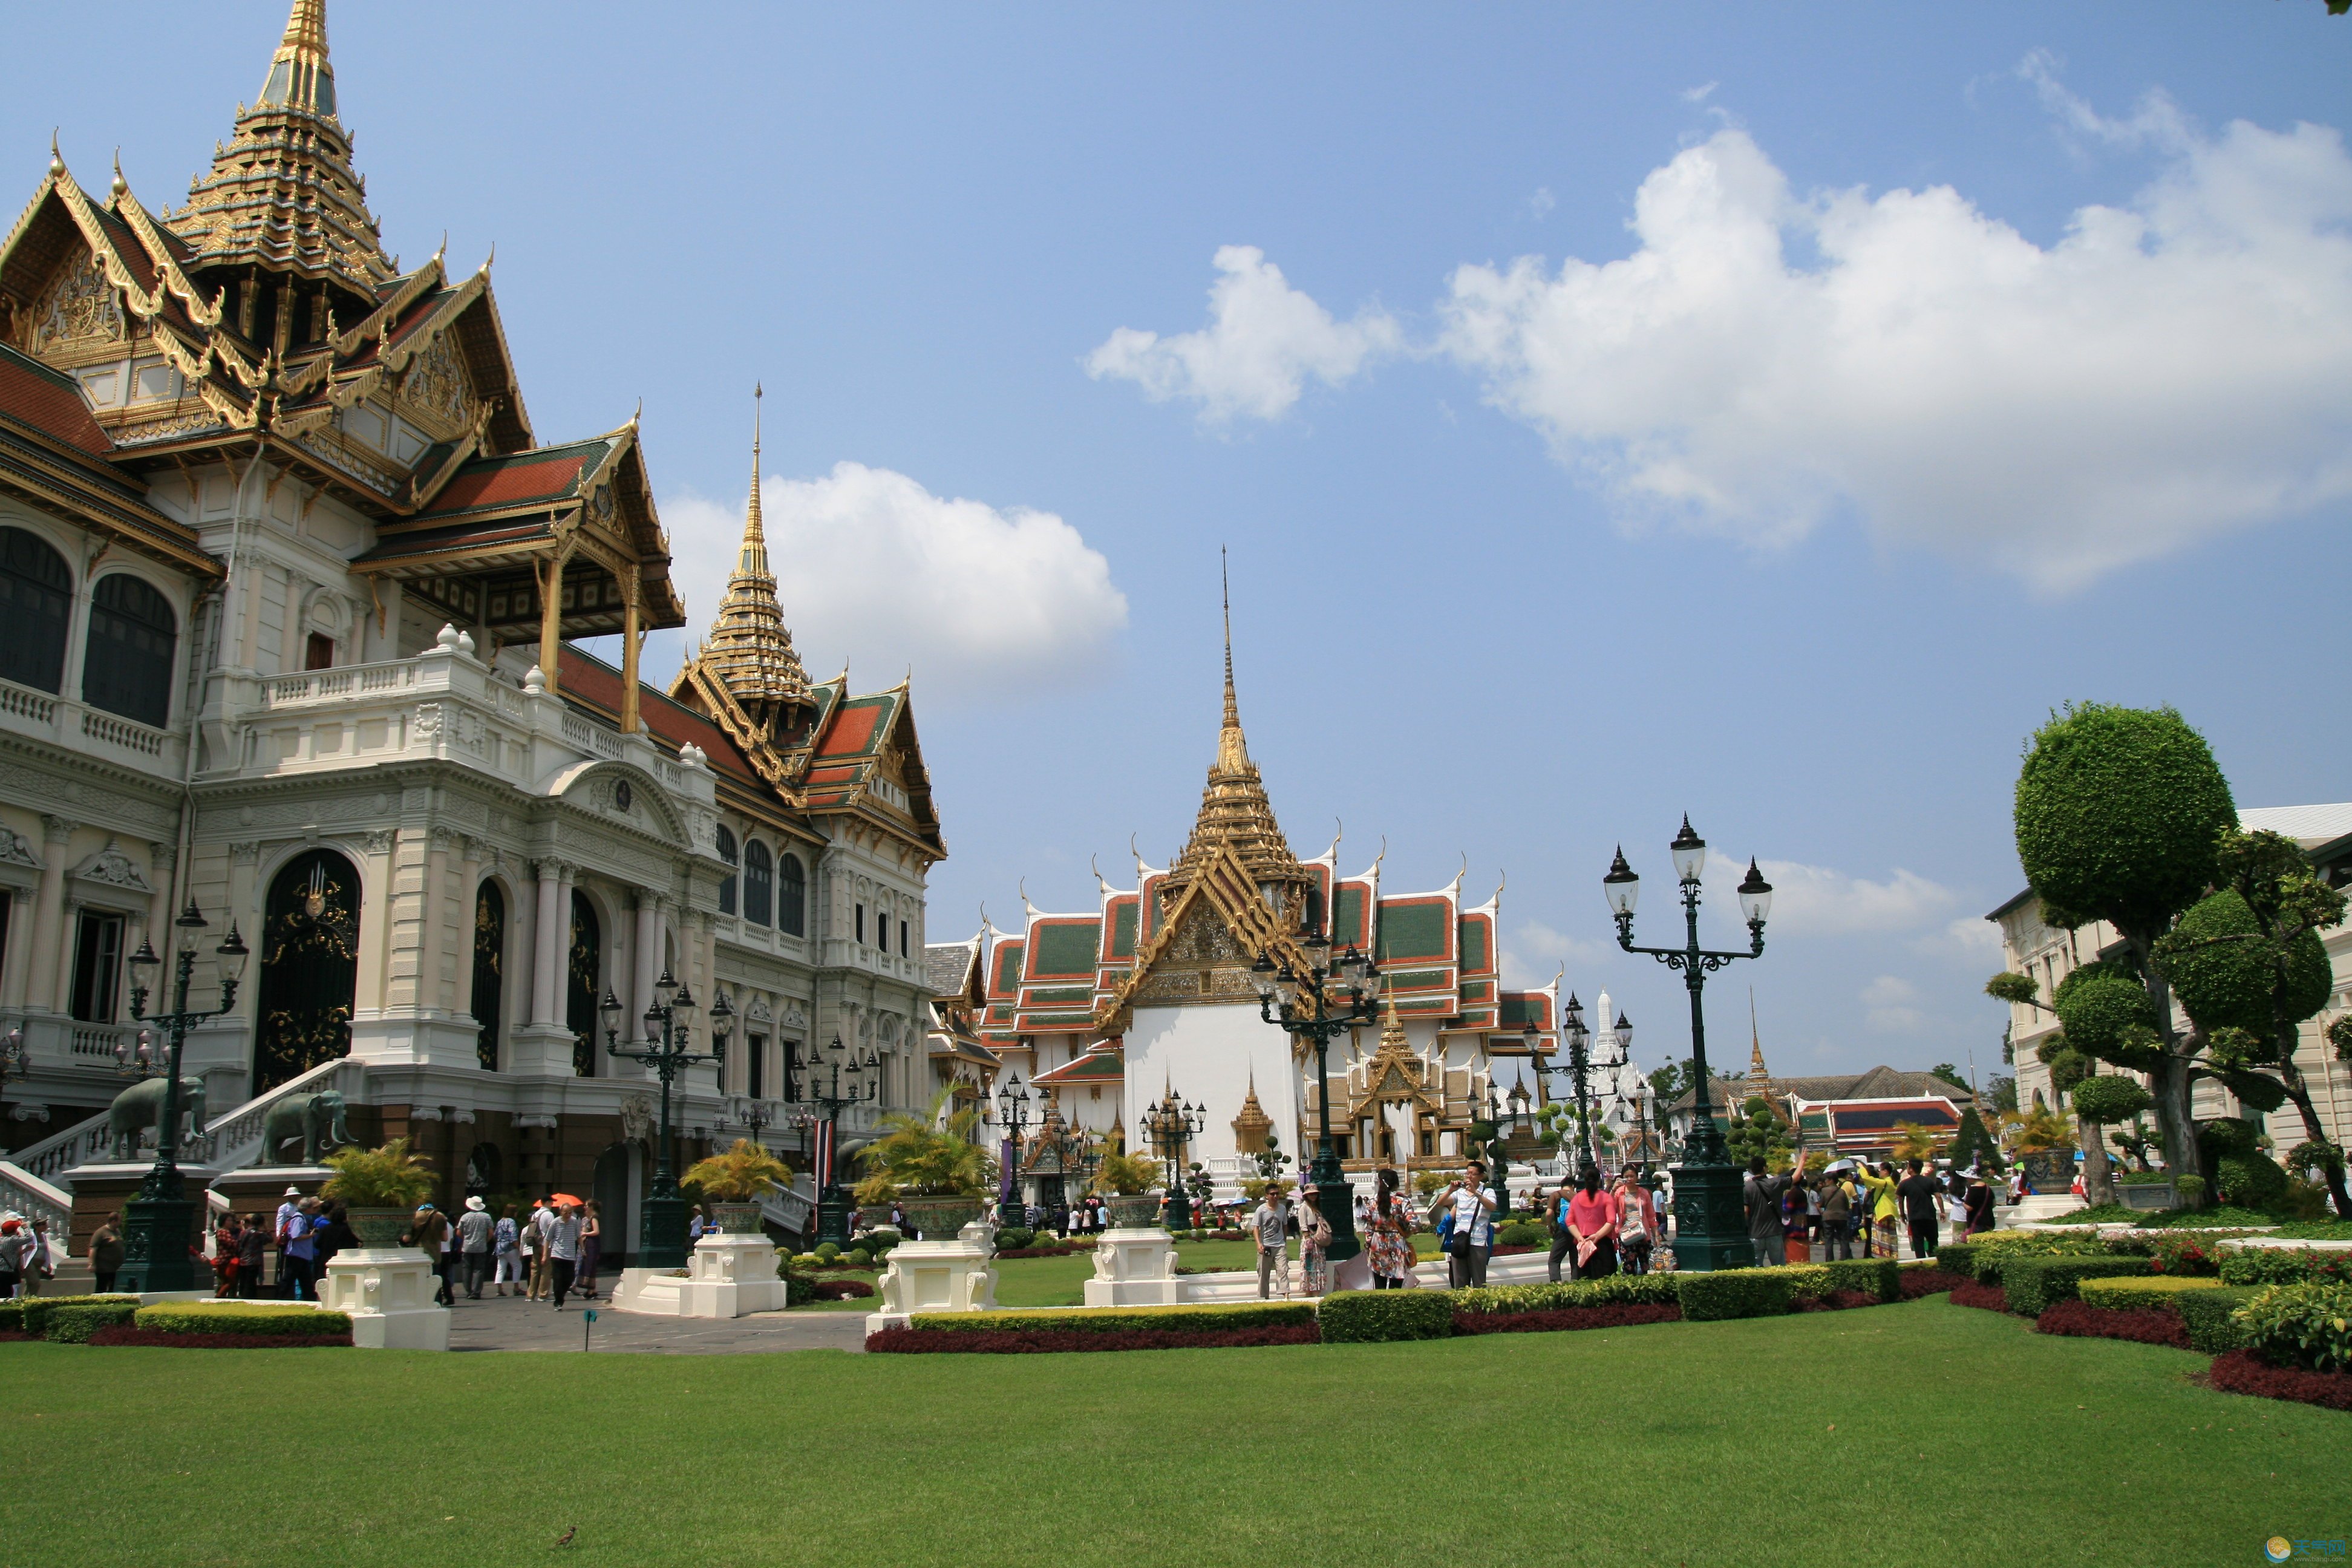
x: 938, y: 1172
x: 379, y: 1189
x: 732, y: 1181
x: 1126, y: 1182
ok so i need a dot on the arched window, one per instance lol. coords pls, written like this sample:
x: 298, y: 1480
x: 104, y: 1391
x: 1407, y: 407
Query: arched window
x: 36, y: 597
x: 310, y: 967
x: 759, y: 882
x: 127, y: 668
x: 791, y: 895
x: 727, y: 888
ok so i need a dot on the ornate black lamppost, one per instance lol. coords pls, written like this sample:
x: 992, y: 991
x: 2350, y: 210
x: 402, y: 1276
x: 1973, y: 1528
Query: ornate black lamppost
x: 1308, y: 1010
x: 1711, y: 1231
x: 1171, y: 1125
x: 1012, y: 1115
x: 156, y: 1223
x: 669, y: 1023
x: 832, y: 1201
x: 745, y: 1114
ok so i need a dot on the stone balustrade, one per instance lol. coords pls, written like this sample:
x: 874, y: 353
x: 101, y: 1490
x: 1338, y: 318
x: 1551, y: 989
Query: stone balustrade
x: 67, y: 722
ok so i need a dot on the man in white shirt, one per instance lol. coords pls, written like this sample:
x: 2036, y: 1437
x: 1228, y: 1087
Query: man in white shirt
x: 1472, y: 1203
x: 1272, y: 1220
x: 563, y: 1251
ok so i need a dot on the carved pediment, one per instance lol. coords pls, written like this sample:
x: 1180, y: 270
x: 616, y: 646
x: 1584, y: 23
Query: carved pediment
x: 111, y: 867
x: 437, y: 392
x: 16, y: 849
x: 79, y: 307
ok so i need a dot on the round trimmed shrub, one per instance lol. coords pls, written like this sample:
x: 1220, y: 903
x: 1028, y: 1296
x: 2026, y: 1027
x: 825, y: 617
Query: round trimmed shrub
x: 858, y: 1257
x: 826, y: 1252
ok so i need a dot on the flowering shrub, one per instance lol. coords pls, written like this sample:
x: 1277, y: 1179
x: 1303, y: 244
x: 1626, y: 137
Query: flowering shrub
x: 2148, y: 1326
x: 2243, y: 1371
x: 2310, y: 1324
x: 2190, y: 1255
x: 2279, y: 1266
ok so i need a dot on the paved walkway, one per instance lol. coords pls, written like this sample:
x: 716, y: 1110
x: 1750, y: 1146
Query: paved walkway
x: 513, y: 1323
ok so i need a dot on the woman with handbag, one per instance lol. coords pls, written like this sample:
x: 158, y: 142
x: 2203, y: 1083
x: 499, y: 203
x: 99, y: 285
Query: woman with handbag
x: 1389, y: 1236
x: 1314, y: 1236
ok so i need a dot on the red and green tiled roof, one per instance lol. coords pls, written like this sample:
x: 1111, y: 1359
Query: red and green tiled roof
x: 588, y: 681
x: 542, y: 477
x: 1476, y: 937
x: 1104, y: 1062
x: 42, y: 399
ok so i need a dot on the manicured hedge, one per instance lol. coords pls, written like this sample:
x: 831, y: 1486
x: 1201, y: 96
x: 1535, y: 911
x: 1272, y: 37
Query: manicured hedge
x: 2207, y: 1315
x: 243, y: 1318
x: 133, y: 1334
x: 1373, y: 1317
x: 1003, y: 1341
x: 2284, y: 1266
x: 1208, y: 1316
x: 1603, y: 1315
x: 1652, y: 1288
x: 2033, y: 1284
x: 12, y: 1315
x: 1751, y: 1292
x: 2124, y: 1293
x: 2148, y: 1326
x: 1958, y: 1257
x: 72, y: 1322
x: 1881, y: 1278
x: 36, y: 1309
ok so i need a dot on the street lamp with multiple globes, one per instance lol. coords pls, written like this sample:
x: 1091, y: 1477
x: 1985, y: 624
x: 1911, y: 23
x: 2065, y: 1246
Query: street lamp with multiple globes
x: 1171, y: 1125
x: 666, y: 1049
x: 157, y: 1224
x: 832, y: 1202
x: 1711, y: 1231
x: 1012, y: 1115
x: 1308, y: 1010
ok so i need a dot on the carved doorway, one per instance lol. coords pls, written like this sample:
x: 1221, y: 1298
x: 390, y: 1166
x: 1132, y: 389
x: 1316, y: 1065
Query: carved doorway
x: 310, y: 967
x: 583, y: 992
x: 489, y: 950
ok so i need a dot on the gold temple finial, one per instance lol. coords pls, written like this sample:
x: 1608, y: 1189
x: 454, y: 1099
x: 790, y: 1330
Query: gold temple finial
x: 299, y: 75
x: 1225, y: 593
x: 750, y: 649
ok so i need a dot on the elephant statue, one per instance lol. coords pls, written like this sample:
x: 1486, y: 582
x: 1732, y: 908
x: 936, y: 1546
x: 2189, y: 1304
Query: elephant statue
x: 141, y: 1106
x: 316, y: 1119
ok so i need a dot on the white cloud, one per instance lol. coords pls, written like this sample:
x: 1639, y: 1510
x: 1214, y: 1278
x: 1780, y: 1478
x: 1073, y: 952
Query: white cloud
x: 1815, y: 900
x: 872, y: 567
x: 1699, y: 94
x: 1892, y: 1004
x: 1534, y: 953
x: 1539, y: 205
x: 2167, y: 372
x: 1263, y: 340
x: 1966, y: 936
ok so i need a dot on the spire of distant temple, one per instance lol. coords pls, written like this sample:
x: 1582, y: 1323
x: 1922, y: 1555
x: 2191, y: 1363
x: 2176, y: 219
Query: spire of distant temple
x: 283, y: 194
x: 749, y: 650
x: 1235, y: 809
x: 1759, y: 1081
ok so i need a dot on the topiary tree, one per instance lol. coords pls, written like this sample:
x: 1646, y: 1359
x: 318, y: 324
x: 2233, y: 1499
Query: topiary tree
x: 1972, y: 1146
x: 2240, y: 1173
x: 2248, y: 965
x: 2101, y: 1101
x: 1758, y: 1129
x: 2119, y: 813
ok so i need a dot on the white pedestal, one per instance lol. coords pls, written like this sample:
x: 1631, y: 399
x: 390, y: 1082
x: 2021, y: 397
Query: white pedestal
x: 956, y: 1276
x: 1135, y: 1267
x: 727, y: 1276
x: 657, y: 1291
x: 2039, y: 1209
x: 388, y: 1292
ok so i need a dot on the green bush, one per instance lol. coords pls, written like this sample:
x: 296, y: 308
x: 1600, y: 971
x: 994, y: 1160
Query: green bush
x: 241, y: 1318
x: 1880, y: 1279
x: 2191, y: 1189
x: 1751, y: 1292
x: 1520, y: 1233
x: 2125, y: 1293
x: 2309, y: 1324
x: 799, y: 1289
x: 2210, y: 1317
x: 1373, y: 1317
x: 73, y: 1324
x: 1013, y: 1236
x: 2283, y: 1265
x: 2033, y: 1284
x: 826, y: 1252
x: 1994, y: 1250
x: 12, y: 1315
x: 1546, y: 1298
x: 1958, y: 1257
x: 37, y: 1309
x: 858, y: 1257
x: 880, y: 1242
x: 1207, y: 1317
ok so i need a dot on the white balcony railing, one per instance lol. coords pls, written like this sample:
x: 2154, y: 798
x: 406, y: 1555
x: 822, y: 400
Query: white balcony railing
x: 66, y: 722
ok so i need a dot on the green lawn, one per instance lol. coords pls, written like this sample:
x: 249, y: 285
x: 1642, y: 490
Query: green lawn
x: 1923, y: 1434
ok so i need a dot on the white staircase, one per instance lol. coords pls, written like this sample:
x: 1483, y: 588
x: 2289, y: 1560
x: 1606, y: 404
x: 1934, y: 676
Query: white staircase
x: 232, y: 1140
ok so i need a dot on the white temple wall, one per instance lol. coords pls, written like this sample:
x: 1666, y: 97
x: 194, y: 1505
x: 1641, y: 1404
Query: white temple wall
x: 1209, y: 1055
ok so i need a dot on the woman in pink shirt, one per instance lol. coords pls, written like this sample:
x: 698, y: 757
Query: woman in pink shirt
x: 1637, y: 1223
x: 1592, y: 1227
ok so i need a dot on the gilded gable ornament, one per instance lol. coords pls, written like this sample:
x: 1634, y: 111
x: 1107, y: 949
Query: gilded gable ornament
x: 81, y: 306
x: 436, y: 386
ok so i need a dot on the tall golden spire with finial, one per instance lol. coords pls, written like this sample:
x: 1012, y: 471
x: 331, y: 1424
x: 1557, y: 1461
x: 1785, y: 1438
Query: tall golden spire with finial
x: 1760, y: 1082
x: 1235, y: 810
x: 749, y: 650
x: 283, y: 194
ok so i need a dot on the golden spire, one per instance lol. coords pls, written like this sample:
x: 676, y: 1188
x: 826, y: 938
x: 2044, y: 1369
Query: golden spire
x: 283, y: 193
x: 1759, y: 1081
x: 1252, y: 1125
x: 748, y: 649
x: 1233, y: 807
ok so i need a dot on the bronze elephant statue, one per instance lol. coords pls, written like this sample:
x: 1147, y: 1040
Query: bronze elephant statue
x: 141, y: 1106
x: 316, y: 1119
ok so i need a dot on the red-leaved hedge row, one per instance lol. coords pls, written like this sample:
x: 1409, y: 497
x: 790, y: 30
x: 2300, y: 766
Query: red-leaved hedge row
x: 841, y: 1289
x: 2243, y: 1371
x: 1918, y: 1282
x: 1038, y: 1251
x: 1022, y: 1342
x: 1614, y: 1315
x: 1836, y: 1301
x: 2147, y: 1326
x: 8, y: 1336
x: 131, y: 1335
x: 1991, y: 1298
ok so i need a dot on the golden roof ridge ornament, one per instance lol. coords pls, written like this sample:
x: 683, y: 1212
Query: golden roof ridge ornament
x: 748, y: 650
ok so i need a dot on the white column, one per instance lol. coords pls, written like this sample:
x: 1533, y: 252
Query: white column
x: 434, y: 936
x: 547, y: 951
x: 49, y: 916
x: 648, y: 965
x: 470, y: 892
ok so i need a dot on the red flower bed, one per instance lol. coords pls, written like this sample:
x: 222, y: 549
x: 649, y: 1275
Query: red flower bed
x: 1009, y: 1342
x: 1037, y: 1252
x: 10, y: 1335
x: 132, y: 1334
x: 1615, y: 1315
x: 1991, y: 1298
x: 2147, y: 1326
x: 1918, y: 1282
x: 842, y: 1289
x: 2243, y: 1371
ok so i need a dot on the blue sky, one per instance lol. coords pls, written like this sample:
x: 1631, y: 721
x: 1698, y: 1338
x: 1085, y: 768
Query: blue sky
x: 1798, y: 519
